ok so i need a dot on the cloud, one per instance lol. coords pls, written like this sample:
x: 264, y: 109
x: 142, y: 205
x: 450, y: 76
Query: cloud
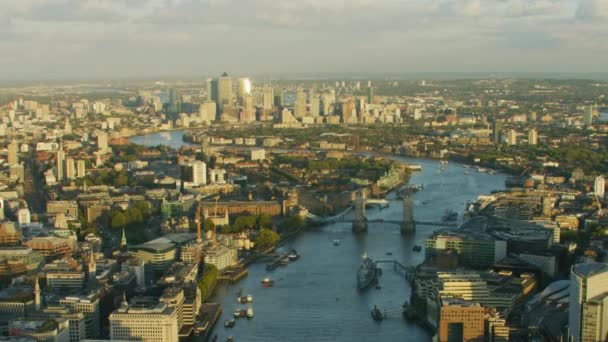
x: 139, y: 37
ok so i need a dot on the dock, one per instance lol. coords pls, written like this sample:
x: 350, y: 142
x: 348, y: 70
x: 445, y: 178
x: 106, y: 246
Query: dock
x: 276, y: 262
x: 233, y: 274
x: 210, y: 313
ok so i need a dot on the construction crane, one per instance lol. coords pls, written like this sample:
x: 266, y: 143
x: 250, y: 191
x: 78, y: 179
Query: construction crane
x: 599, y: 205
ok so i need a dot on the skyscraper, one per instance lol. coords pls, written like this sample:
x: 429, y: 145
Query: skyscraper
x: 588, y: 313
x: 212, y: 90
x: 267, y: 98
x: 243, y: 88
x: 81, y: 168
x: 497, y: 131
x: 512, y: 137
x: 300, y: 104
x: 224, y: 92
x: 102, y: 141
x: 588, y: 115
x: 600, y: 186
x: 13, y: 150
x: 172, y: 105
x: 60, y: 162
x: 199, y: 172
x: 315, y: 106
x: 533, y: 136
x: 70, y: 169
x: 371, y: 98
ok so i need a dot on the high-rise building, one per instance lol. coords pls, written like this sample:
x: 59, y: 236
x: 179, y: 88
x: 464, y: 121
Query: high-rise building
x: 211, y: 90
x: 102, y: 141
x: 497, y: 131
x: 588, y: 115
x: 267, y: 98
x: 224, y: 92
x: 300, y: 104
x: 70, y: 169
x: 588, y: 313
x: 315, y: 106
x: 600, y: 186
x: 533, y: 136
x: 512, y: 137
x: 248, y: 111
x: 208, y: 111
x: 371, y: 98
x: 172, y: 104
x: 81, y: 169
x: 532, y: 117
x: 13, y: 150
x: 243, y: 88
x: 60, y: 163
x: 199, y: 172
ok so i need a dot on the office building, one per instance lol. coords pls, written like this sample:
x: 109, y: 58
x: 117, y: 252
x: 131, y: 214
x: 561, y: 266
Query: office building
x: 300, y: 104
x: 224, y: 92
x: 13, y: 150
x: 371, y: 98
x: 89, y: 306
x: 512, y: 137
x: 70, y: 169
x: 59, y: 168
x: 208, y: 112
x: 258, y: 154
x: 211, y: 90
x: 533, y: 137
x: 144, y: 319
x: 55, y: 330
x: 315, y: 106
x: 497, y: 131
x: 588, y: 313
x: 77, y: 328
x: 460, y: 320
x: 102, y: 141
x: 81, y: 169
x: 24, y: 216
x: 199, y: 172
x: 243, y: 88
x: 267, y: 98
x: 221, y: 257
x: 600, y: 186
x: 588, y: 115
x: 157, y: 254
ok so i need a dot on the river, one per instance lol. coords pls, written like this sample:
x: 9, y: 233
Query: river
x: 315, y: 298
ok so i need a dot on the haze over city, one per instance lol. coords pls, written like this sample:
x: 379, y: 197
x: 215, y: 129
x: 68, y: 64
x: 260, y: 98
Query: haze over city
x: 83, y: 39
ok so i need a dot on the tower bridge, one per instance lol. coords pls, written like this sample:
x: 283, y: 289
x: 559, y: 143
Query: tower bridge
x: 360, y: 223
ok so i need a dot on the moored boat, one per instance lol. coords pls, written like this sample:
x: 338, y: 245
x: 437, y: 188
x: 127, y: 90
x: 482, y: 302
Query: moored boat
x: 267, y: 282
x: 368, y: 273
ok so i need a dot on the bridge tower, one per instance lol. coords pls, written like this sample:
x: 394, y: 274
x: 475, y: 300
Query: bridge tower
x: 409, y: 225
x: 360, y: 222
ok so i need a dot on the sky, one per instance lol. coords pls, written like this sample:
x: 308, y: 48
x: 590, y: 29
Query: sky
x: 81, y: 39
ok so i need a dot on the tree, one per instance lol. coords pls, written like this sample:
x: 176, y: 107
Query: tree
x: 265, y: 221
x: 119, y: 220
x: 266, y: 238
x: 208, y: 224
x: 294, y: 223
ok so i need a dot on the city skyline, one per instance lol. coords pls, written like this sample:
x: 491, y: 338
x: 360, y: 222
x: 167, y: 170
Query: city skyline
x: 138, y: 38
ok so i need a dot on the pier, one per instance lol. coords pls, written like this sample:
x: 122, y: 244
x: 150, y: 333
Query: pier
x: 276, y: 262
x: 210, y: 313
x: 233, y: 274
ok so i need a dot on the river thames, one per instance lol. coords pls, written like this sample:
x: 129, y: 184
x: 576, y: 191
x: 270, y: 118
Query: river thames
x: 315, y: 298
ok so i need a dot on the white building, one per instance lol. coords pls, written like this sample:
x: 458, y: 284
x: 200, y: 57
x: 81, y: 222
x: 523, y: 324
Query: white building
x: 588, y: 314
x: 221, y: 257
x: 512, y: 137
x: 199, y: 172
x: 102, y: 142
x: 89, y: 306
x: 144, y: 321
x: 600, y: 186
x: 258, y: 154
x: 23, y: 216
x: 533, y: 137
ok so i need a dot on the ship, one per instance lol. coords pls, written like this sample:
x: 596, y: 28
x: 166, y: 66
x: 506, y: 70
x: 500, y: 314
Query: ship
x: 449, y: 216
x: 368, y: 273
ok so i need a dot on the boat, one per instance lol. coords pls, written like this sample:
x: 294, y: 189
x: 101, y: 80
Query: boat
x: 417, y: 248
x: 249, y: 313
x: 284, y: 262
x: 492, y: 172
x: 389, y: 253
x: 481, y: 169
x: 229, y: 339
x: 241, y: 299
x: 443, y: 162
x: 377, y: 314
x: 242, y: 313
x: 466, y: 166
x: 267, y: 282
x: 466, y: 173
x: 237, y: 313
x: 449, y: 216
x: 425, y: 202
x: 249, y: 299
x: 229, y: 323
x: 293, y: 255
x: 336, y: 242
x: 368, y: 273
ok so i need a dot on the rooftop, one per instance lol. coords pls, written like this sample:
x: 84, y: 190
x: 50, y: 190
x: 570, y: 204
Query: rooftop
x: 587, y: 270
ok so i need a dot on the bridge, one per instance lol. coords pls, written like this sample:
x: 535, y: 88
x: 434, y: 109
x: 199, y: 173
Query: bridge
x: 360, y: 222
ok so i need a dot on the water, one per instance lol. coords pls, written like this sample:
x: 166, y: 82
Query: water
x: 315, y: 298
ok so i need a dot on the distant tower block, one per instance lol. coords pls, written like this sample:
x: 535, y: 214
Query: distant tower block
x: 409, y: 225
x: 360, y: 222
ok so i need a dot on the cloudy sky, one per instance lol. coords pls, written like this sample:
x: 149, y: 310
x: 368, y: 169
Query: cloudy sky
x: 41, y: 39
